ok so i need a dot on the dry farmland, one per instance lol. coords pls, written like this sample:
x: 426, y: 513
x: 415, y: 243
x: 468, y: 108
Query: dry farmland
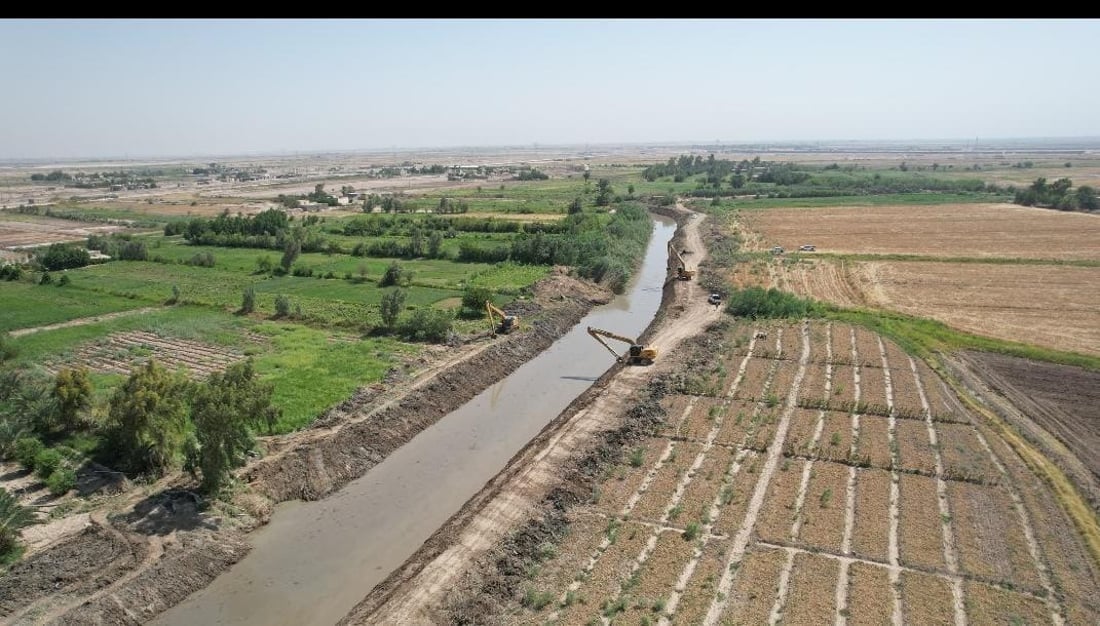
x: 1029, y: 300
x: 923, y: 517
x: 945, y: 230
x: 39, y: 231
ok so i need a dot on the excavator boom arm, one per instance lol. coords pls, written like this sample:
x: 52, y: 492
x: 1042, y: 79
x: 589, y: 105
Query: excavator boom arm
x: 599, y: 334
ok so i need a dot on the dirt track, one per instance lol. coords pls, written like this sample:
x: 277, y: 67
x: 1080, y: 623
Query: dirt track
x: 418, y: 589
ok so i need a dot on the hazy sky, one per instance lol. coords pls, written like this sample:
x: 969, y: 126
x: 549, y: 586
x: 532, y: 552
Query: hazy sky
x: 83, y: 88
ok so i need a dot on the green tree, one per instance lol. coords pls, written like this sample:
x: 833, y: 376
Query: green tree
x: 147, y: 419
x: 575, y: 206
x: 416, y: 242
x: 73, y: 391
x: 603, y: 192
x: 224, y: 409
x: 393, y: 302
x: 1086, y: 198
x: 393, y: 275
x: 12, y: 518
x: 474, y: 299
x: 248, y: 300
x: 435, y: 244
x: 290, y: 253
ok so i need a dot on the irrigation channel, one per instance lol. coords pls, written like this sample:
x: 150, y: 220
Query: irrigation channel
x: 314, y: 561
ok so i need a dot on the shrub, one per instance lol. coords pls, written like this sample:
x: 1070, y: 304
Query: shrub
x: 392, y: 303
x: 61, y: 481
x: 473, y: 301
x: 282, y: 305
x: 756, y: 302
x: 46, y: 462
x: 691, y: 532
x: 26, y: 451
x: 8, y: 350
x: 392, y: 276
x: 248, y: 300
x: 427, y: 324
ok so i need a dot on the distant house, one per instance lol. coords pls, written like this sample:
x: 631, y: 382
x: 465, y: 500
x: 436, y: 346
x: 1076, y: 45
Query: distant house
x: 344, y: 200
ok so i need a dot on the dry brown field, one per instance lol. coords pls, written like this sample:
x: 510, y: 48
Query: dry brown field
x: 943, y: 230
x: 697, y: 528
x: 1053, y: 306
x: 40, y: 231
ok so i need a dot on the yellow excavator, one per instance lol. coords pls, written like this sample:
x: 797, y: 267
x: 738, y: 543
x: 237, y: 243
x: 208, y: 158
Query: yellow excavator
x: 636, y: 355
x: 507, y: 323
x: 682, y: 272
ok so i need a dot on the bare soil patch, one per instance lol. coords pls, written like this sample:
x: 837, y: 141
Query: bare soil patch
x: 119, y: 353
x: 949, y: 230
x: 1061, y: 400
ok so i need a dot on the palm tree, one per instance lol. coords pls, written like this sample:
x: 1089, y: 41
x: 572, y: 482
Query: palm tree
x: 12, y: 518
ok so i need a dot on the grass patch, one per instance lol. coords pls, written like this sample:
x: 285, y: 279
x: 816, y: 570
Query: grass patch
x: 27, y: 305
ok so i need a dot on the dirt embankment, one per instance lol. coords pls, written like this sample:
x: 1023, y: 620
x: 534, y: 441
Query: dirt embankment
x: 153, y: 554
x: 312, y: 471
x: 1056, y: 407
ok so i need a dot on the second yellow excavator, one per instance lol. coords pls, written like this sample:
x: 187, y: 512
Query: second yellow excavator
x: 507, y: 323
x: 682, y: 272
x: 636, y: 355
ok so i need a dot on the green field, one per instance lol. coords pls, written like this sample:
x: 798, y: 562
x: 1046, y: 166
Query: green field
x: 27, y: 305
x: 310, y: 368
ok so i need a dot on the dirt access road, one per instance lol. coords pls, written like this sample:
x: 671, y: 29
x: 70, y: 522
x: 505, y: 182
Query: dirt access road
x: 416, y: 590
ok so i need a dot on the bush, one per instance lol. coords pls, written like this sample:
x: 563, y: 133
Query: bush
x: 8, y: 350
x: 756, y: 302
x: 248, y: 300
x: 26, y: 451
x: 392, y: 303
x: 427, y: 324
x: 65, y: 280
x: 282, y: 305
x: 62, y: 257
x: 46, y: 462
x: 61, y: 481
x: 392, y: 276
x: 473, y: 301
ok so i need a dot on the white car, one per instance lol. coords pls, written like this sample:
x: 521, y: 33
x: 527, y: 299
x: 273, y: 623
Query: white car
x: 715, y: 298
x: 806, y: 248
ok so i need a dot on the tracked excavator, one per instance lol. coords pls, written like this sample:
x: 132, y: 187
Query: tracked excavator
x: 682, y: 272
x: 507, y: 323
x: 638, y: 354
